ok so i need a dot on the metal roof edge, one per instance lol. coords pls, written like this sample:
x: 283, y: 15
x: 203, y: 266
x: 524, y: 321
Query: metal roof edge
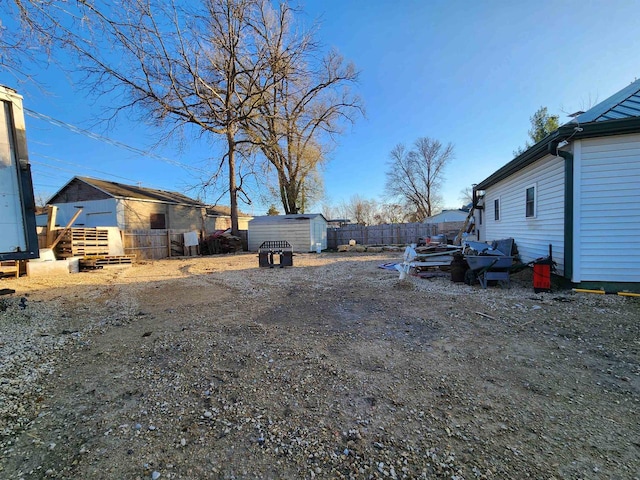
x: 603, y: 128
x: 610, y: 102
x: 290, y: 216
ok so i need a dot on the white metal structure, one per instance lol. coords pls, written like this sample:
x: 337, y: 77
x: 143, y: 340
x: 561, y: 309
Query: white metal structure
x: 17, y: 207
x: 302, y: 231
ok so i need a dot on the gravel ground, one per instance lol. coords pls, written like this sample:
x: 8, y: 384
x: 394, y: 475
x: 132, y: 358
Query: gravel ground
x: 210, y: 367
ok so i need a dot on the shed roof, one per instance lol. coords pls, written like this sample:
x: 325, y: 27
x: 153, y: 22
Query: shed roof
x: 120, y: 190
x: 224, y: 210
x: 617, y: 115
x: 142, y: 193
x: 446, y: 216
x: 285, y: 218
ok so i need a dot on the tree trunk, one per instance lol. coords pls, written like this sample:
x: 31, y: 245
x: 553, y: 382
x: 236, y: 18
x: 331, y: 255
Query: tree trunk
x: 233, y: 189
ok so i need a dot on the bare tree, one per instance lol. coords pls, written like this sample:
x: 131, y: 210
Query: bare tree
x: 311, y: 191
x: 200, y: 65
x: 331, y: 211
x: 302, y: 112
x: 361, y: 210
x: 23, y: 35
x: 466, y: 196
x: 416, y: 176
x: 391, y: 213
x: 187, y: 66
x: 236, y: 69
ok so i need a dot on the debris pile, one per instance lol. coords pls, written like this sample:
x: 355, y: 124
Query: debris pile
x: 221, y: 241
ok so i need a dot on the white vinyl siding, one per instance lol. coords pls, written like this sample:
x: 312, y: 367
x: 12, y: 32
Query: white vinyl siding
x: 531, y: 234
x: 607, y: 209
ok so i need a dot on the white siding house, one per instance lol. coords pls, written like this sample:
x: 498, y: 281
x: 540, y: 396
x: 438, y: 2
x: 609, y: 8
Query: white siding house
x: 506, y: 215
x: 607, y: 209
x: 302, y: 231
x: 578, y: 189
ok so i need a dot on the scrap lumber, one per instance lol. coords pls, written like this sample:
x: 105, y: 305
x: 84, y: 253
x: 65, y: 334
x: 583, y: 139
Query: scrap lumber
x: 106, y: 261
x: 65, y: 229
x: 52, y: 212
x: 465, y: 227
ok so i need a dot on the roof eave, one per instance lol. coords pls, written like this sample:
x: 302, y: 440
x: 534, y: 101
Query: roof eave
x: 570, y: 131
x: 620, y: 126
x: 527, y: 157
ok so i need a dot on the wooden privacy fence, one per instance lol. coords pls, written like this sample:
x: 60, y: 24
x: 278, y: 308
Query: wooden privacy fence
x: 389, y: 234
x: 151, y: 244
x: 157, y: 244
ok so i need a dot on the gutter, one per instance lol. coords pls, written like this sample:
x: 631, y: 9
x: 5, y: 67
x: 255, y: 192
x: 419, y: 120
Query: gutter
x: 568, y: 204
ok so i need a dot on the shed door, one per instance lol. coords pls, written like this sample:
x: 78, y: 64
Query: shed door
x: 319, y: 235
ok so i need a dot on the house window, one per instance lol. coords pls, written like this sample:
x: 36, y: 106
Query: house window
x: 530, y: 202
x: 158, y: 221
x: 480, y: 217
x: 496, y: 209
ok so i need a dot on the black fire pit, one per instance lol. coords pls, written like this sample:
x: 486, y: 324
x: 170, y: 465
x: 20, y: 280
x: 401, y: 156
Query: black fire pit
x: 268, y: 249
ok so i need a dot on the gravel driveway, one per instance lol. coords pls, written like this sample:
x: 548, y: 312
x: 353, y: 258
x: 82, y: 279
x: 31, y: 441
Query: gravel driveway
x: 209, y: 367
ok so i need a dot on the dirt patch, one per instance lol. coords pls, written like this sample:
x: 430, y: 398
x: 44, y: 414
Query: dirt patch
x: 214, y: 368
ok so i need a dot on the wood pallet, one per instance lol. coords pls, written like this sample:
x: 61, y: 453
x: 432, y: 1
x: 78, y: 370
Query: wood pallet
x: 107, y: 261
x: 82, y: 242
x: 10, y: 268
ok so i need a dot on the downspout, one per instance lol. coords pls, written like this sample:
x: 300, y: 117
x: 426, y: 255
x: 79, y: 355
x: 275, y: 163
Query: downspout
x: 568, y: 205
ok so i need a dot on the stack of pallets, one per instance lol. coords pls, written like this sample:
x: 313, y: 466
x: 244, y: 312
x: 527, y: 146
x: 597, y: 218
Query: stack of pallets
x: 98, y: 262
x: 81, y: 242
x: 92, y: 245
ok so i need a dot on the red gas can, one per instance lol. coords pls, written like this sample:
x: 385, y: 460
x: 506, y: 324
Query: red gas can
x: 541, y: 277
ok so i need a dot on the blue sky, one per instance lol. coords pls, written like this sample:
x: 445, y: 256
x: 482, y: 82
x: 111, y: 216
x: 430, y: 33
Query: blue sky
x: 466, y: 72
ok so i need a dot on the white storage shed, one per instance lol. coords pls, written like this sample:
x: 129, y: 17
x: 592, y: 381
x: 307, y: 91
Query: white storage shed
x: 302, y: 231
